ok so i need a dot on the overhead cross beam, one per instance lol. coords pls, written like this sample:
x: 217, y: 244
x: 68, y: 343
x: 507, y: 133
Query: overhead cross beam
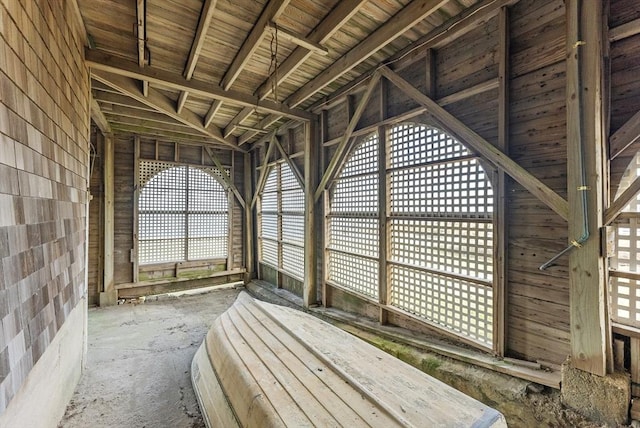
x: 338, y: 16
x: 271, y: 12
x: 98, y: 117
x: 106, y: 62
x: 206, y: 14
x: 625, y: 136
x: 402, y: 21
x: 163, y: 104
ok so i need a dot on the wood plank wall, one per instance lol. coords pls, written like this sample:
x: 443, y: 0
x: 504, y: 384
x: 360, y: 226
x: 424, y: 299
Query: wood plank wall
x: 625, y: 82
x: 123, y: 208
x: 44, y: 153
x: 538, y: 302
x: 537, y: 324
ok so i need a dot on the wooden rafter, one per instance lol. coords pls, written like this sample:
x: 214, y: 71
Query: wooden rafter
x: 263, y: 124
x: 141, y: 19
x: 297, y: 39
x: 628, y: 134
x: 340, y: 14
x: 225, y: 177
x: 171, y: 129
x: 333, y: 165
x: 146, y: 114
x: 410, y: 15
x: 99, y: 118
x: 206, y: 14
x: 105, y: 62
x: 237, y: 120
x: 270, y: 13
x: 213, y: 110
x: 482, y: 146
x: 161, y: 103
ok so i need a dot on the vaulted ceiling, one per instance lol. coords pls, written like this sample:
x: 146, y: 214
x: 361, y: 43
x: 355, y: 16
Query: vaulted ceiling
x: 227, y: 72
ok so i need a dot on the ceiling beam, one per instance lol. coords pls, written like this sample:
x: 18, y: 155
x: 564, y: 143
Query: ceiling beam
x: 169, y: 129
x: 119, y: 100
x: 213, y: 110
x: 338, y: 16
x: 263, y: 124
x: 162, y: 135
x: 163, y: 104
x: 237, y: 120
x: 109, y: 63
x: 297, y: 39
x: 154, y: 116
x: 270, y: 13
x: 402, y: 21
x: 141, y: 18
x: 206, y: 14
x: 489, y: 152
x: 98, y: 117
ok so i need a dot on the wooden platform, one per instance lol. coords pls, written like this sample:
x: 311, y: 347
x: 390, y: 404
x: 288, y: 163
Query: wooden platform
x: 266, y: 365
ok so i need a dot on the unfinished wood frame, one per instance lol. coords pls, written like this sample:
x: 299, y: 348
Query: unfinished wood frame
x: 585, y: 134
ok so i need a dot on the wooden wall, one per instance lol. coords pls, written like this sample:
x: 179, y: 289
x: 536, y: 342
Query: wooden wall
x: 44, y: 153
x: 123, y: 209
x: 537, y: 314
x: 96, y: 224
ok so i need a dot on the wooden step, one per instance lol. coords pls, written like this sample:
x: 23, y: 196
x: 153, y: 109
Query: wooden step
x: 267, y: 365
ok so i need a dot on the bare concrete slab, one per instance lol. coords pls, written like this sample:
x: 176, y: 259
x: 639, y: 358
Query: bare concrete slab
x: 138, y: 364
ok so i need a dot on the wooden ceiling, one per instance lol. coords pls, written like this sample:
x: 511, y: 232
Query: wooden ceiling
x: 229, y: 71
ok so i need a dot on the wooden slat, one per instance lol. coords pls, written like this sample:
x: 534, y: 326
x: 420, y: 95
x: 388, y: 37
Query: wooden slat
x: 625, y: 30
x: 162, y: 104
x: 270, y: 13
x: 622, y: 201
x: 111, y: 64
x: 625, y: 136
x: 413, y: 13
x: 340, y: 14
x: 483, y: 147
x: 331, y: 169
x: 225, y: 177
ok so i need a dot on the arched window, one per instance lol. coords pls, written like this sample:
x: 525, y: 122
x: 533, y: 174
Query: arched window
x: 182, y: 214
x: 353, y: 223
x: 441, y: 231
x: 281, y: 222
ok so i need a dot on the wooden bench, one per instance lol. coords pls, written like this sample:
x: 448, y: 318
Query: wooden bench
x: 263, y: 365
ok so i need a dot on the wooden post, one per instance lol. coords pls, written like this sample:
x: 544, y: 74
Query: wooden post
x: 248, y: 220
x: 383, y: 288
x: 136, y: 197
x: 500, y: 240
x: 324, y: 137
x: 585, y: 126
x: 311, y: 146
x: 109, y: 295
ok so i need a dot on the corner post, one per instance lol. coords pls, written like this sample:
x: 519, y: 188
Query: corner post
x: 311, y: 161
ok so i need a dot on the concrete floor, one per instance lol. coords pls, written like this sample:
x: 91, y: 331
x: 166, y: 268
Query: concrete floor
x: 138, y: 364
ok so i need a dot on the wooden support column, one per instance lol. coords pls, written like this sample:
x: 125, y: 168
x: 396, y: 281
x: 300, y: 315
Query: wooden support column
x: 311, y: 157
x: 248, y: 220
x: 109, y: 295
x: 384, y: 290
x: 585, y: 133
x: 324, y: 137
x: 500, y: 240
x: 136, y: 198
